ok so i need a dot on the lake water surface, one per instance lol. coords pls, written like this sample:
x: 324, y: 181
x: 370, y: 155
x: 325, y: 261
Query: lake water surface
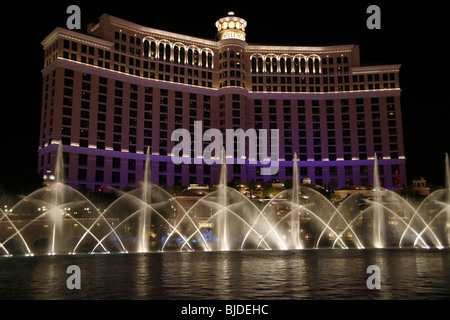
x: 248, y: 275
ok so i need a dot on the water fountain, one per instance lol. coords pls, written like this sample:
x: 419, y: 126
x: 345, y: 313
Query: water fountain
x: 56, y: 215
x: 295, y: 217
x: 222, y: 218
x: 447, y: 187
x: 145, y: 219
x: 58, y: 219
x: 53, y: 220
x: 378, y: 218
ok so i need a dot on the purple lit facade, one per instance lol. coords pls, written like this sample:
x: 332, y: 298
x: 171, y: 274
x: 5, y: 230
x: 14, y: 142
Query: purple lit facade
x: 122, y: 88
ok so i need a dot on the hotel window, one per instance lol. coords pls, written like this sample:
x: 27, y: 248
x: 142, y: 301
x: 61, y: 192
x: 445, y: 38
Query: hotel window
x: 348, y: 170
x: 318, y: 171
x: 131, y: 178
x: 82, y: 159
x: 116, y: 177
x: 333, y: 171
x: 99, y: 175
x: 100, y: 162
x: 82, y: 174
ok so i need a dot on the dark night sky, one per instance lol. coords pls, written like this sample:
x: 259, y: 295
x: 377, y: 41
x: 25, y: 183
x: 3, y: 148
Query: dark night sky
x: 412, y: 35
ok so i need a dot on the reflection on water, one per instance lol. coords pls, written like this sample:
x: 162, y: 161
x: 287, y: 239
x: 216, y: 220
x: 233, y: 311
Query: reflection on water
x: 294, y: 275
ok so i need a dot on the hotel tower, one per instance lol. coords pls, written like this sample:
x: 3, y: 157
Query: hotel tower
x: 122, y: 89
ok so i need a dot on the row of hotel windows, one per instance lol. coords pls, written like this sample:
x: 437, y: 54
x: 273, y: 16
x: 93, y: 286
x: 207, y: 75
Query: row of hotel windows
x: 323, y: 83
x: 166, y: 72
x: 192, y: 57
x: 320, y: 136
x: 135, y: 66
x: 178, y: 74
x: 164, y: 50
x: 285, y: 65
x: 130, y: 165
x: 303, y: 65
x: 85, y: 113
x: 68, y: 82
x: 372, y: 78
x: 177, y: 54
x: 316, y: 118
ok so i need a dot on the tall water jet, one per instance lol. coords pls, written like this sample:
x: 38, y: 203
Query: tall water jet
x: 222, y: 219
x: 447, y: 173
x: 56, y: 214
x: 447, y: 186
x: 295, y: 215
x: 378, y: 219
x: 145, y: 217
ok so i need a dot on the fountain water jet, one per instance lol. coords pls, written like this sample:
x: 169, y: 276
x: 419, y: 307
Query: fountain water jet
x: 447, y: 186
x: 222, y: 219
x: 447, y: 200
x: 295, y: 217
x: 57, y: 215
x: 145, y: 218
x: 378, y: 218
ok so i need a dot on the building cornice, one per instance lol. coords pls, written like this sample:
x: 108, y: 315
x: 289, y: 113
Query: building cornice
x: 80, y: 37
x: 376, y: 69
x: 252, y: 48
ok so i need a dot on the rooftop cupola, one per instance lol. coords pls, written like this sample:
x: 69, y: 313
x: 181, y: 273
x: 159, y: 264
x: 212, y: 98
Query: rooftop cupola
x: 231, y: 27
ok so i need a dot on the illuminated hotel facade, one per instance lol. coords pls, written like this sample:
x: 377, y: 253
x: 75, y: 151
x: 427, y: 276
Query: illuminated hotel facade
x: 110, y: 94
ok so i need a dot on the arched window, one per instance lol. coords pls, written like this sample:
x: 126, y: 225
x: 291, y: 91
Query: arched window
x: 204, y: 63
x: 296, y: 65
x: 153, y: 50
x: 282, y: 65
x: 182, y: 55
x: 176, y: 51
x: 161, y: 51
x: 146, y: 49
x: 260, y: 64
x: 274, y: 65
x: 303, y: 65
x: 196, y: 58
x: 190, y: 56
x: 210, y: 60
x: 317, y: 65
x: 310, y: 65
x: 288, y: 65
x: 268, y: 65
x: 254, y: 64
x: 168, y: 49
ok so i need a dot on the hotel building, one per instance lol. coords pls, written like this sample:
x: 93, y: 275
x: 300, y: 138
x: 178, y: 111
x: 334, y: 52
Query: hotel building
x: 110, y: 94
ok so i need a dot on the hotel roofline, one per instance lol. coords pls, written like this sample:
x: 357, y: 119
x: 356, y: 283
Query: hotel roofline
x: 172, y: 36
